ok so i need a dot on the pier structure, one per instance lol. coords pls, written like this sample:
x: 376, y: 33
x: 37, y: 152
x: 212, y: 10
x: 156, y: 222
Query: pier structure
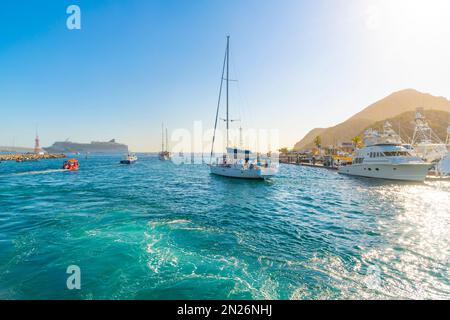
x: 309, y: 159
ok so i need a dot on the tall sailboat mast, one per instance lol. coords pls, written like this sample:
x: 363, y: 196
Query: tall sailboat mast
x: 162, y: 137
x: 228, y: 80
x: 218, y: 102
x: 167, y: 141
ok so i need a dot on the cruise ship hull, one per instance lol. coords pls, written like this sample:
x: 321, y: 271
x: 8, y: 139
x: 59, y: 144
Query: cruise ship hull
x: 404, y: 172
x: 237, y: 172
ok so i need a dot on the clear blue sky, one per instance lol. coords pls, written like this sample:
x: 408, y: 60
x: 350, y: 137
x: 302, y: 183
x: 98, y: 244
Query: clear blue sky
x: 301, y: 64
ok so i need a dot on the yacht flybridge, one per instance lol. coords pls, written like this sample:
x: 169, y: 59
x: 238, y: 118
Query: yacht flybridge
x: 237, y: 162
x: 385, y: 157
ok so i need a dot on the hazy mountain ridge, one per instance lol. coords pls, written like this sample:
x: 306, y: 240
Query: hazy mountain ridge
x: 388, y: 108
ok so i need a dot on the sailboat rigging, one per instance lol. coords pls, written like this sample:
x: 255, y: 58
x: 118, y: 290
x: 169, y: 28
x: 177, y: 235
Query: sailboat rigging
x: 236, y: 162
x: 164, y: 155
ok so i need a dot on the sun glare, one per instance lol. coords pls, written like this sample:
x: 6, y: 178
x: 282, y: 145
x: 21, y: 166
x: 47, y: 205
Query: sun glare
x: 410, y: 18
x: 411, y: 35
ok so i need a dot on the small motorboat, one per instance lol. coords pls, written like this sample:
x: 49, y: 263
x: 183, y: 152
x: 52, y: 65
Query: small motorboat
x: 71, y: 165
x: 129, y: 159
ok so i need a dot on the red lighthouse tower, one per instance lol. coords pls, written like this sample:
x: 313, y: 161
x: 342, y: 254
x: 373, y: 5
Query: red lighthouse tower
x: 37, y: 147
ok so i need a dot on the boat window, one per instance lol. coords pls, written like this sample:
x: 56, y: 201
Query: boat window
x: 397, y: 154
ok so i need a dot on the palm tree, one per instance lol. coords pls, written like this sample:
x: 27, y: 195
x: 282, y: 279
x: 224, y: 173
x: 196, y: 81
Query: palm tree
x: 318, y: 141
x: 357, y: 141
x: 283, y: 150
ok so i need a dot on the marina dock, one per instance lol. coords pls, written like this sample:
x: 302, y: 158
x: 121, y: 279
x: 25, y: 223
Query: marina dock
x: 322, y: 162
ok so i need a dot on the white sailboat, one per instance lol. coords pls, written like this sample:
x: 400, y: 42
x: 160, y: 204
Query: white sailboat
x: 237, y: 162
x: 384, y: 157
x: 164, y: 155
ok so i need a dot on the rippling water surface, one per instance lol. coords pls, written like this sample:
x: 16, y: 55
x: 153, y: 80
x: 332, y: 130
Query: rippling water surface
x: 157, y: 230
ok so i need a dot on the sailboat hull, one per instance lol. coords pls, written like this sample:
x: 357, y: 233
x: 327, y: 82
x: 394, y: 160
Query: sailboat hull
x: 241, y: 173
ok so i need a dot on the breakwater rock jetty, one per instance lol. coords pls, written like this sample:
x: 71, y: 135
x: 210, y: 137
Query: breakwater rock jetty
x: 31, y: 157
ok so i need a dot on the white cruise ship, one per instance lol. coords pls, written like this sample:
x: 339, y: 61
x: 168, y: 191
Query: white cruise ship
x: 384, y: 157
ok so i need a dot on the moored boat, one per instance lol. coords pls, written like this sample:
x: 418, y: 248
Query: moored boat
x: 164, y: 155
x: 426, y: 144
x: 384, y: 157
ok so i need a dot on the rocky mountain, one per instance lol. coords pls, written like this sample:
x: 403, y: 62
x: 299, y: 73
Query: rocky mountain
x: 388, y: 108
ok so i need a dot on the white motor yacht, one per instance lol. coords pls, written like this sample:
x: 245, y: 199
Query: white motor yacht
x: 384, y: 157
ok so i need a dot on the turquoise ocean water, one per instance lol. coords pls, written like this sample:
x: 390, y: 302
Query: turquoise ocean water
x: 156, y: 230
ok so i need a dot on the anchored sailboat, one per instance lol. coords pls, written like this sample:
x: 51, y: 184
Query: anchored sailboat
x: 164, y: 155
x: 237, y: 162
